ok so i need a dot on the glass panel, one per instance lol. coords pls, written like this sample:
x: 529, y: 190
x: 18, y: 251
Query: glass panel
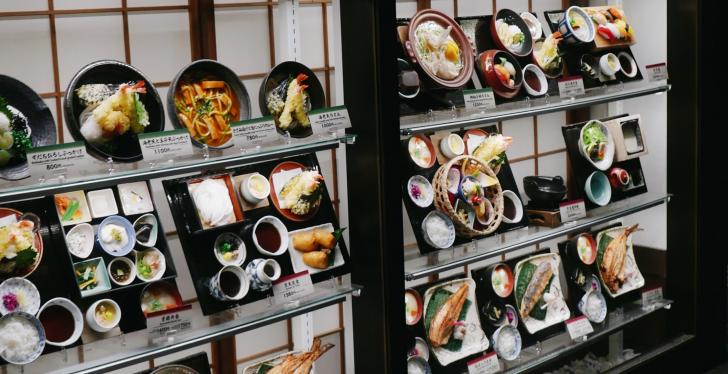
x: 97, y: 172
x: 418, y: 266
x: 445, y: 119
x: 559, y: 345
x: 104, y: 355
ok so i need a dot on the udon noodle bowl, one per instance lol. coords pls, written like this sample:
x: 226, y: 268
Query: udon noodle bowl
x: 438, y: 51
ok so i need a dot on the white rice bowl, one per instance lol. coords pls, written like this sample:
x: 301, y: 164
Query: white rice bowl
x: 22, y: 338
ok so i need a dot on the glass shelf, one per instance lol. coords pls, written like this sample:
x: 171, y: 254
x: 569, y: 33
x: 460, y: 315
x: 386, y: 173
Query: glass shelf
x: 458, y: 118
x: 650, y: 355
x: 99, y: 174
x: 418, y: 266
x: 114, y: 353
x: 557, y: 346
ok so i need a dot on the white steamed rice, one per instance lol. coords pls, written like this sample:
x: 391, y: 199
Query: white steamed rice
x: 18, y: 339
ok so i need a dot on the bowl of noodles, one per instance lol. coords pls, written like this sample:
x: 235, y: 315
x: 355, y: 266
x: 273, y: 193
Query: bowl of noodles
x: 205, y: 98
x: 438, y: 45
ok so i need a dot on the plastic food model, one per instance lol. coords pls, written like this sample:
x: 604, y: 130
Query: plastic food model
x: 111, y: 111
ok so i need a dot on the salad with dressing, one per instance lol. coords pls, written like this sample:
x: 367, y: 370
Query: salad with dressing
x: 594, y: 141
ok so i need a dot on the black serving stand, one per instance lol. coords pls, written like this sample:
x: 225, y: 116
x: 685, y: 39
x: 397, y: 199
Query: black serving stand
x: 198, y: 243
x: 581, y: 168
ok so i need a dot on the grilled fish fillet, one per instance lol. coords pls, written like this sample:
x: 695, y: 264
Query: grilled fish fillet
x: 612, y: 265
x: 301, y: 363
x: 536, y: 288
x: 442, y: 323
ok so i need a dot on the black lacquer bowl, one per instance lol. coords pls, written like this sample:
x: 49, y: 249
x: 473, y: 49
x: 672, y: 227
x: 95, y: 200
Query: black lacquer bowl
x: 546, y: 190
x: 284, y: 71
x: 123, y: 148
x: 208, y: 69
x: 39, y: 118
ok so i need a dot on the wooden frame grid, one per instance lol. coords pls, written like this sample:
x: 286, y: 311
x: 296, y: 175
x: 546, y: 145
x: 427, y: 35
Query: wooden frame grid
x: 202, y: 45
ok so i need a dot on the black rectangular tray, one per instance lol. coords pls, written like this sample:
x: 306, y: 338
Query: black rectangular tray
x: 573, y: 57
x: 581, y: 168
x: 417, y: 214
x: 197, y: 243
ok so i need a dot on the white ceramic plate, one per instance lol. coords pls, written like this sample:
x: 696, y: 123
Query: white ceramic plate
x: 102, y: 203
x: 557, y: 311
x: 605, y: 163
x: 297, y: 256
x: 27, y: 295
x: 135, y: 198
x: 82, y: 207
x: 634, y: 278
x: 475, y: 340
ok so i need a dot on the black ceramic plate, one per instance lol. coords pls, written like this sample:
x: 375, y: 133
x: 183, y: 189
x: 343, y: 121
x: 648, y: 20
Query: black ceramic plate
x: 40, y: 121
x: 287, y: 69
x: 211, y: 70
x: 124, y: 148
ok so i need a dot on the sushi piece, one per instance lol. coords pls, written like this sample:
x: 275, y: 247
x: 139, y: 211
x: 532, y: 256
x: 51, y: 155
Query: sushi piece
x: 444, y: 321
x: 536, y: 288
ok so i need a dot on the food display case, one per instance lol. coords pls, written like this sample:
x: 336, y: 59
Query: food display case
x: 560, y: 80
x: 168, y: 197
x: 212, y: 186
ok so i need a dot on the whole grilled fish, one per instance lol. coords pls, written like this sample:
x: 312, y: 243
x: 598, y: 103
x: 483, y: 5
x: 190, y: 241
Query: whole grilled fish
x: 301, y: 363
x: 443, y: 322
x: 612, y: 265
x: 536, y: 288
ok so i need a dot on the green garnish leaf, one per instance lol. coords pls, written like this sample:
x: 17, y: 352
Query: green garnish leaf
x: 72, y: 208
x: 25, y: 258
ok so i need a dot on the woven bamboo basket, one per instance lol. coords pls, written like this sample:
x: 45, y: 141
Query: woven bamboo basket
x: 442, y: 201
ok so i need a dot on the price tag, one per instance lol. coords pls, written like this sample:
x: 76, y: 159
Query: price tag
x: 162, y: 326
x: 572, y: 210
x: 329, y: 119
x: 657, y: 72
x: 163, y: 146
x: 578, y: 327
x: 479, y: 99
x: 571, y: 87
x: 484, y: 365
x: 57, y: 160
x: 254, y: 132
x: 292, y: 287
x: 651, y: 296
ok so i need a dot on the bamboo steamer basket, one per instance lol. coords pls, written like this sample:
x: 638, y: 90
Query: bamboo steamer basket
x: 492, y: 193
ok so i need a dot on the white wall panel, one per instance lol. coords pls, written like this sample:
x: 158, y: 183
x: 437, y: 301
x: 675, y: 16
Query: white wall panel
x: 468, y: 8
x: 445, y: 6
x: 406, y: 8
x: 29, y: 60
x: 312, y: 36
x: 82, y: 40
x: 253, y: 86
x: 242, y: 39
x: 520, y: 170
x: 550, y: 137
x: 155, y: 2
x: 25, y: 5
x: 159, y: 43
x: 521, y: 130
x: 261, y: 339
x: 85, y: 4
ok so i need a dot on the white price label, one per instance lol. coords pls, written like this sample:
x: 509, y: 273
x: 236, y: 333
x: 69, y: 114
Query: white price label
x: 571, y: 87
x: 572, y: 210
x: 486, y: 364
x: 578, y: 327
x: 479, y: 99
x: 161, y: 326
x: 657, y: 72
x: 292, y: 287
x: 53, y: 161
x: 329, y: 119
x: 651, y: 296
x: 259, y: 131
x: 163, y: 146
